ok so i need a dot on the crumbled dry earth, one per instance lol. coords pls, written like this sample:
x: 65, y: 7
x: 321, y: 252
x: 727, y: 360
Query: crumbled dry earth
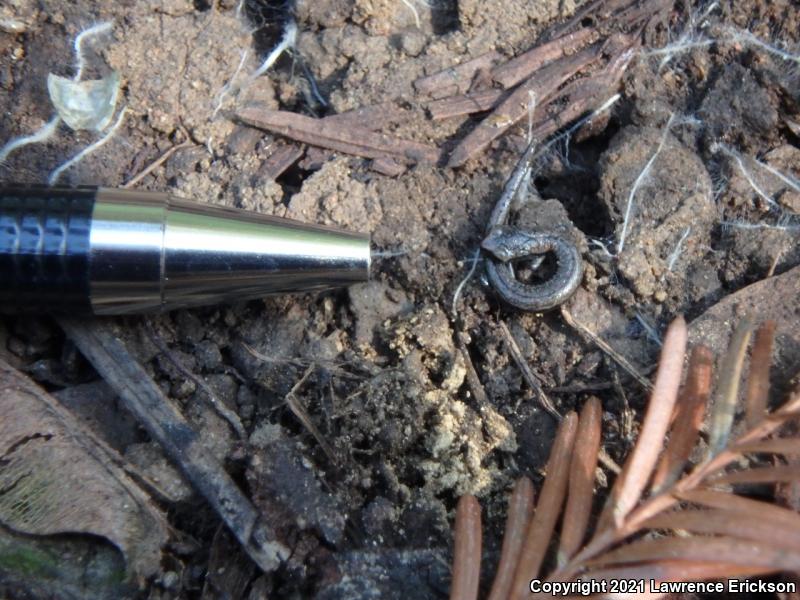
x: 370, y: 516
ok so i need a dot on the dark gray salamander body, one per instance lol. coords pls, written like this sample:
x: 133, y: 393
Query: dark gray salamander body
x: 507, y: 244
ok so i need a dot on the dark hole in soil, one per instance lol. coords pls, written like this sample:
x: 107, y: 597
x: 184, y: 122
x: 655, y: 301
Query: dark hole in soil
x: 269, y: 17
x: 577, y: 184
x: 291, y: 180
x: 202, y: 5
x: 535, y: 270
x: 541, y: 182
x: 444, y: 16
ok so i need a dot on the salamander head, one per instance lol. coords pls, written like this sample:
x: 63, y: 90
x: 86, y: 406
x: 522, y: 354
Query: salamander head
x: 505, y: 243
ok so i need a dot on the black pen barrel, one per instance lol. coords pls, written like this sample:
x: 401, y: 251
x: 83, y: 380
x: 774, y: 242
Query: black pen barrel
x: 108, y: 251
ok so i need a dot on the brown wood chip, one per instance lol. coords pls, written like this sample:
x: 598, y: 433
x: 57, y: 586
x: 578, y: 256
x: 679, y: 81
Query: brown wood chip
x: 388, y: 166
x: 281, y: 159
x: 456, y: 106
x: 373, y: 117
x: 581, y: 96
x: 457, y: 79
x: 523, y: 66
x: 514, y: 108
x: 349, y: 139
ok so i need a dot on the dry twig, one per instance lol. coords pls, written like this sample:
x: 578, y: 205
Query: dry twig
x: 546, y: 67
x: 473, y: 102
x: 280, y: 160
x: 603, y: 345
x: 299, y: 411
x: 186, y: 143
x: 338, y: 136
x: 514, y: 108
x: 519, y: 68
x: 145, y: 400
x: 373, y: 117
x: 457, y: 79
x: 527, y: 372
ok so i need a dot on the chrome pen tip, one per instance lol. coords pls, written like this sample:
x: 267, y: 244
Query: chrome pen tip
x: 210, y: 254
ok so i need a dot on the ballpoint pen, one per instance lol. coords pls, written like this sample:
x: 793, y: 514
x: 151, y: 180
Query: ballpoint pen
x: 103, y: 251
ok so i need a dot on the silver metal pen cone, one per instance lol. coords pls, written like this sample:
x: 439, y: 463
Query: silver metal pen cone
x: 154, y: 252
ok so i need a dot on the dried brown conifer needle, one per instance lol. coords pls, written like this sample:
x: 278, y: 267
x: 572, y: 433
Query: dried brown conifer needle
x: 467, y: 550
x: 581, y: 480
x: 456, y: 78
x: 758, y: 378
x: 760, y: 475
x: 548, y: 508
x: 638, y: 468
x: 466, y: 104
x: 729, y: 535
x: 772, y: 446
x: 676, y: 570
x: 688, y: 420
x: 520, y: 507
x: 730, y: 374
x: 730, y: 523
x: 754, y: 510
x: 708, y: 549
x: 336, y: 135
x: 757, y: 434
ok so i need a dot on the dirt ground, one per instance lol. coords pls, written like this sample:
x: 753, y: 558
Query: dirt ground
x: 370, y: 514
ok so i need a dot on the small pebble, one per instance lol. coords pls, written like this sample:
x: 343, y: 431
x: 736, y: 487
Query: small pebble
x: 208, y: 355
x: 183, y: 389
x: 413, y: 42
x: 13, y: 26
x: 170, y: 580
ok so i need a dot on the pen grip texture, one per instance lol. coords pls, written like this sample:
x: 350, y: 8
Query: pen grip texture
x: 44, y: 249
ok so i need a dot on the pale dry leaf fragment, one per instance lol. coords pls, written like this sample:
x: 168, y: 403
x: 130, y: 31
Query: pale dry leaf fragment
x: 84, y: 104
x: 57, y: 478
x: 56, y: 173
